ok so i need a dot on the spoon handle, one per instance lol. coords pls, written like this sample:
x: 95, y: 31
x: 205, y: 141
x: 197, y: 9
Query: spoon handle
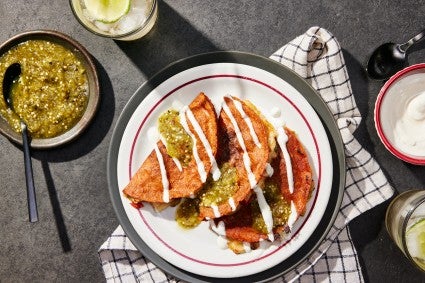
x: 32, y: 203
x: 413, y: 40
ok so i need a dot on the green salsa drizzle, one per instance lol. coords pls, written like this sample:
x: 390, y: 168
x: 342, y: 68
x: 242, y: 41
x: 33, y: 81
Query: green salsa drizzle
x: 213, y: 193
x: 218, y: 192
x: 280, y: 208
x: 51, y: 94
x: 179, y: 144
x: 187, y: 213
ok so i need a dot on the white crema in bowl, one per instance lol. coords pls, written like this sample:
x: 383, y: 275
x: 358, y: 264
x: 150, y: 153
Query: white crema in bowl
x: 409, y: 131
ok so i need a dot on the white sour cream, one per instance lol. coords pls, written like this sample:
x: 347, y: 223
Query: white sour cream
x: 282, y: 138
x: 269, y: 170
x: 220, y: 230
x: 246, y: 159
x: 265, y: 212
x: 214, y: 168
x: 293, y: 216
x: 217, y: 213
x: 409, y: 131
x: 247, y: 247
x: 154, y: 136
x: 248, y: 121
x: 199, y: 163
x: 232, y: 204
x: 164, y: 178
x: 176, y: 161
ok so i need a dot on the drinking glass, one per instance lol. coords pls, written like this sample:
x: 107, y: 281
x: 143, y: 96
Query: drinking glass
x: 405, y: 222
x: 139, y: 20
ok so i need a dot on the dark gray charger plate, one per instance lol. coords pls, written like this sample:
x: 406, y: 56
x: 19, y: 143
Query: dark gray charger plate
x: 332, y: 131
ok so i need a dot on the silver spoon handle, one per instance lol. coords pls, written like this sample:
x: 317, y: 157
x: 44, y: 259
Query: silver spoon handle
x: 32, y: 203
x: 413, y: 40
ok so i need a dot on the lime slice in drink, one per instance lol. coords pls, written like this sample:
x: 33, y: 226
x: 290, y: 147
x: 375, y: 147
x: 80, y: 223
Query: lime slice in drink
x: 415, y: 239
x: 107, y: 11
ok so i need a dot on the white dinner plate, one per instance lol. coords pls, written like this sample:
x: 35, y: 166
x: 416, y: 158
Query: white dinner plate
x: 195, y: 252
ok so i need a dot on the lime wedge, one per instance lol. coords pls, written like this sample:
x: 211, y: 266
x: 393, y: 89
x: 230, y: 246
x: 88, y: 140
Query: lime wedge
x: 415, y: 239
x: 107, y: 11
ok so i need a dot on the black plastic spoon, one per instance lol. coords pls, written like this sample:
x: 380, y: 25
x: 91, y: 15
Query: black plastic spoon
x: 10, y: 77
x: 390, y: 58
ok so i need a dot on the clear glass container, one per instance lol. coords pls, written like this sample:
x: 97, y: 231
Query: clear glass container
x: 405, y: 222
x: 135, y: 24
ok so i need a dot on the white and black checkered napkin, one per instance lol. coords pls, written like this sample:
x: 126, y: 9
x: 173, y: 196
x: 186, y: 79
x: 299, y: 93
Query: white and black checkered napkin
x: 317, y: 57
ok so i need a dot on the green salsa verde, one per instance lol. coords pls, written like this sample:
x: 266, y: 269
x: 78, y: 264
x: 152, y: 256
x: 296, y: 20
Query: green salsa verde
x: 212, y: 193
x: 280, y: 208
x: 179, y: 144
x: 51, y: 93
x: 187, y: 213
x: 218, y: 192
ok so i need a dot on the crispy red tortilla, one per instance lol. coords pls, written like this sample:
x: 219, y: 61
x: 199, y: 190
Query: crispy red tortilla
x: 231, y: 151
x: 146, y: 184
x: 239, y: 225
x: 302, y: 172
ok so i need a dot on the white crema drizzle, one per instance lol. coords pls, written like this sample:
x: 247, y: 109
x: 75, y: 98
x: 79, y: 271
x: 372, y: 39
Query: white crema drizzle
x: 176, y: 161
x: 247, y: 247
x: 199, y: 163
x: 293, y: 216
x: 282, y: 138
x: 232, y: 204
x: 154, y: 136
x: 266, y: 212
x: 269, y: 170
x: 164, y: 179
x: 217, y: 213
x: 246, y: 159
x: 220, y: 230
x: 247, y: 120
x: 214, y: 168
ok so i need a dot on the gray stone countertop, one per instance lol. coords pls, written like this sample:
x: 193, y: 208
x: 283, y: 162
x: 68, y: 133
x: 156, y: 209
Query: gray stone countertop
x: 75, y: 211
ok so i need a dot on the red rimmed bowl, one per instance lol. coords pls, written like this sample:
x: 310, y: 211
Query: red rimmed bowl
x: 400, y: 114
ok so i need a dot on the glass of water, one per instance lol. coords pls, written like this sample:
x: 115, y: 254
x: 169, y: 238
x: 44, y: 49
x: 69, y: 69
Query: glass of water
x: 135, y: 22
x: 405, y: 222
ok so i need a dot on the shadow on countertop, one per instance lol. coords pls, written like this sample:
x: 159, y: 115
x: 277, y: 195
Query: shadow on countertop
x: 359, y: 86
x: 369, y: 228
x: 172, y: 38
x: 87, y: 142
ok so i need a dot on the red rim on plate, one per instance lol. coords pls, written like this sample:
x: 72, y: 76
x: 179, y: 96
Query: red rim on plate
x: 149, y: 94
x: 316, y: 153
x: 377, y: 115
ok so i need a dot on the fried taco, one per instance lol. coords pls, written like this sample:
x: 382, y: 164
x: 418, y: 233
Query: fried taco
x: 281, y: 199
x: 250, y: 178
x: 243, y: 155
x: 183, y: 157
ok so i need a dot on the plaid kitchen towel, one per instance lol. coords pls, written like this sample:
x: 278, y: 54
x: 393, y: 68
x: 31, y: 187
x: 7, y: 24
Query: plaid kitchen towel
x: 317, y: 57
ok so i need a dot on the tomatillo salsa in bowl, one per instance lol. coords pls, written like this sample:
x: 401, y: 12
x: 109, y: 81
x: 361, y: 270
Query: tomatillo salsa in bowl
x: 57, y: 92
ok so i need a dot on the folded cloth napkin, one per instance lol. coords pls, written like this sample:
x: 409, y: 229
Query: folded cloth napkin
x: 317, y: 57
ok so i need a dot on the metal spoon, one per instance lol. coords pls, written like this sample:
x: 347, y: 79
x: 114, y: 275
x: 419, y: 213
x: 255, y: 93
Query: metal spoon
x: 390, y: 58
x: 10, y: 77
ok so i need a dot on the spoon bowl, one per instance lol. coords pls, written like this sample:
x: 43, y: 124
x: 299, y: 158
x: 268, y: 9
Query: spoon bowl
x: 389, y: 58
x: 11, y: 76
x: 386, y: 60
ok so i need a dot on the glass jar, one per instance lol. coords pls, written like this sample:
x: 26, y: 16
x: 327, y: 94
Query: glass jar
x: 135, y: 24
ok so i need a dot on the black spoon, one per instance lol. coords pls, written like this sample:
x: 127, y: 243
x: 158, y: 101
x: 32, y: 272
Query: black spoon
x: 10, y: 77
x: 390, y: 58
